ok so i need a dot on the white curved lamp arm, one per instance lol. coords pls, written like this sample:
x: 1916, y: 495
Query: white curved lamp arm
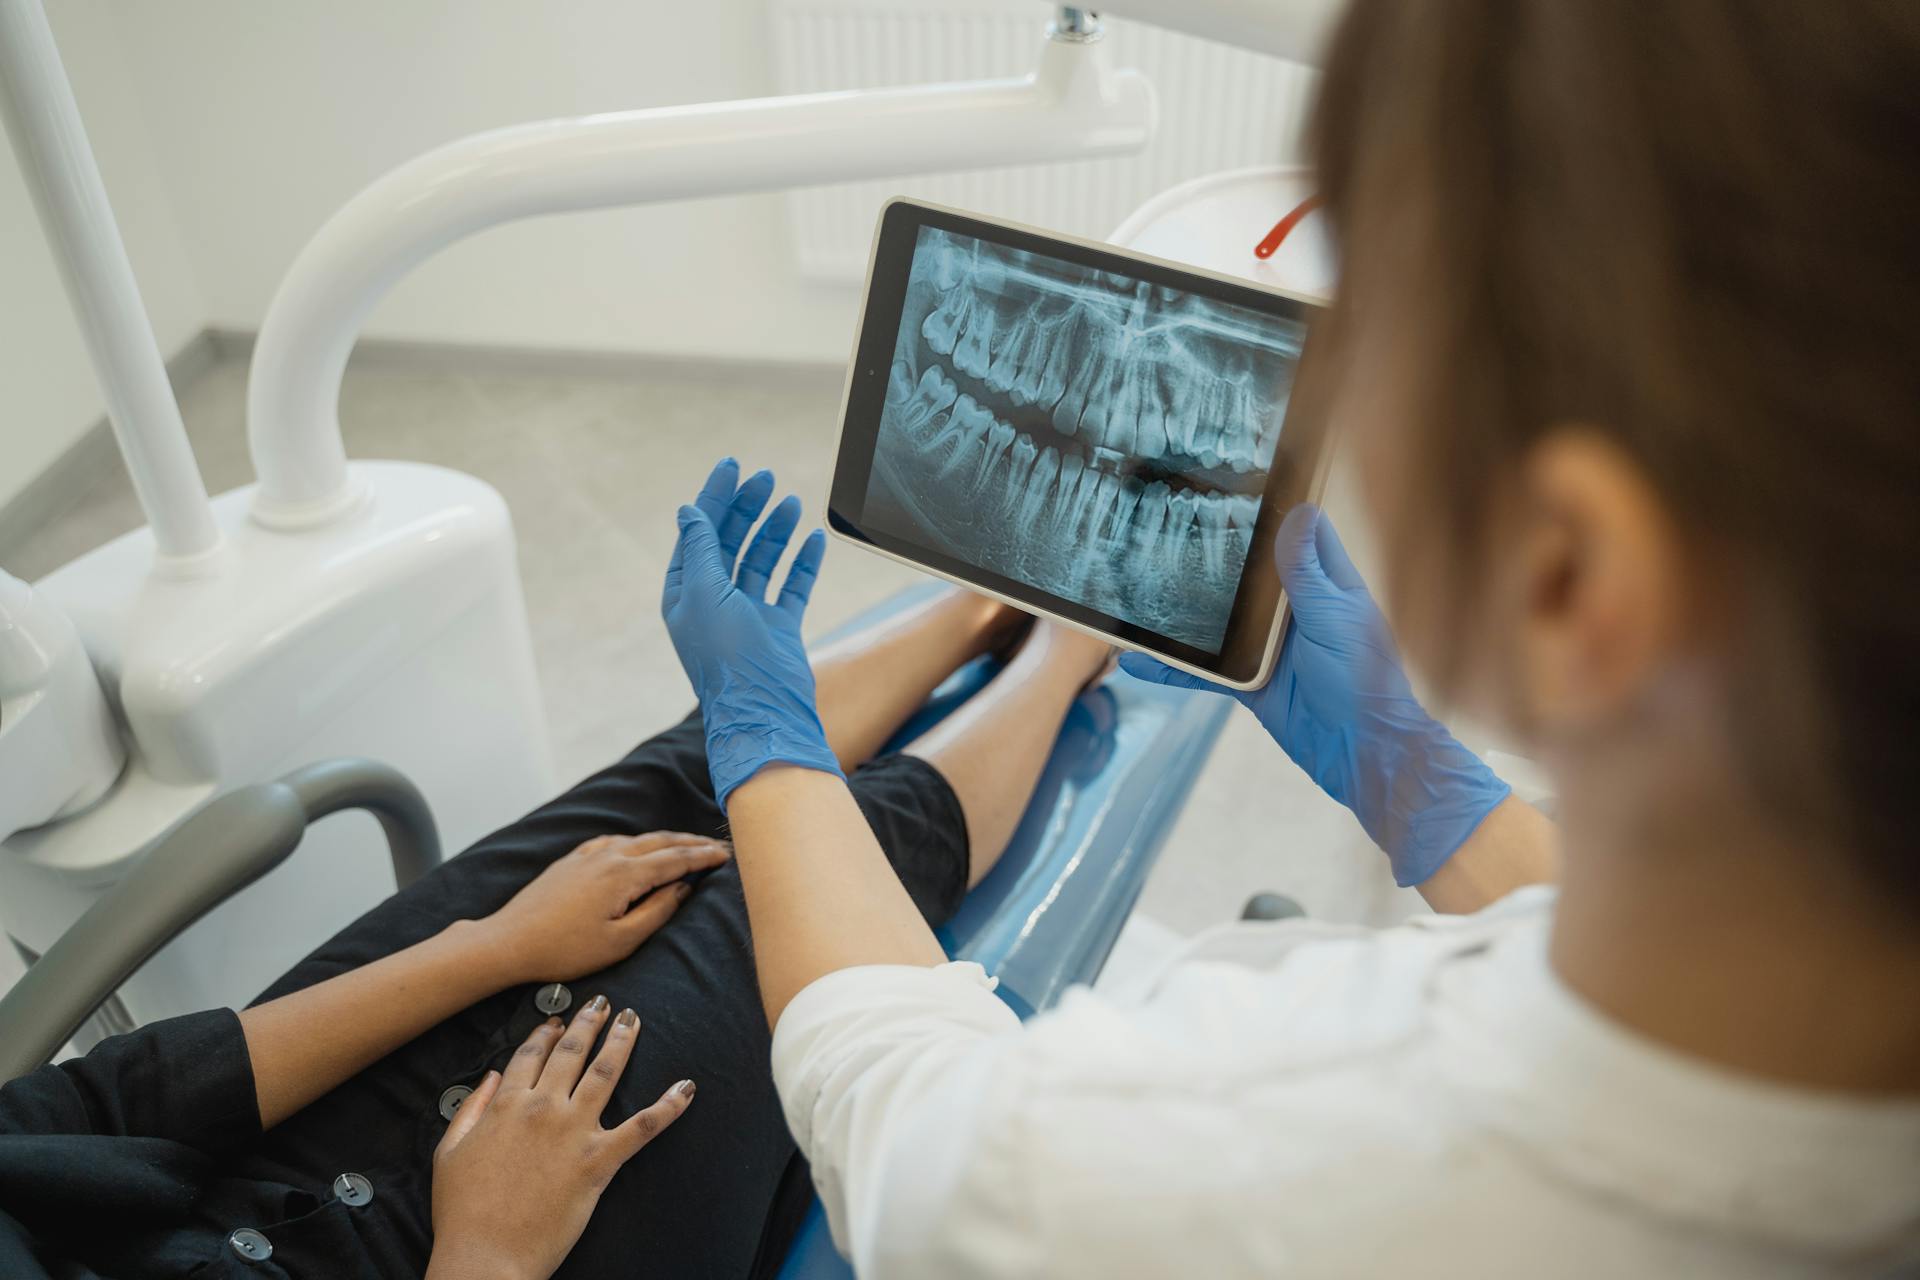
x: 1073, y: 106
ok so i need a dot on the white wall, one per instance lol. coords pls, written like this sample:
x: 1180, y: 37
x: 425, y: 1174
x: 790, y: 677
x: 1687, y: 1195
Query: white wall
x: 228, y: 131
x: 268, y: 116
x: 48, y: 397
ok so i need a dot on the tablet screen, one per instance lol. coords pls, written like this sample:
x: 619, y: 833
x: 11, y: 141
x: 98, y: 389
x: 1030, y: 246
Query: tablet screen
x: 1085, y: 432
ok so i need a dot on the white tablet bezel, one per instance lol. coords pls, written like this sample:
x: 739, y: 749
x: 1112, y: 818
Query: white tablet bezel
x: 1315, y: 486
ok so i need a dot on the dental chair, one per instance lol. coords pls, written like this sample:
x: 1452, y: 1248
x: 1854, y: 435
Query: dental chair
x: 370, y: 609
x: 1043, y: 919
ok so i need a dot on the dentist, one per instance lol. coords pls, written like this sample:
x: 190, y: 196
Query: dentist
x: 1625, y: 355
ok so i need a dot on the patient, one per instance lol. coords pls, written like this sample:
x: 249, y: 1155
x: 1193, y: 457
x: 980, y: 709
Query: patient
x: 402, y: 1103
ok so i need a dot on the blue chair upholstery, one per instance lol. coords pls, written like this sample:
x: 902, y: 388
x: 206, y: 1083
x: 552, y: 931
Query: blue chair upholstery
x: 1047, y: 915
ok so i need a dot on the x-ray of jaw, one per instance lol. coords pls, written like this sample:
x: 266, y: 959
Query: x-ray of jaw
x: 1095, y: 436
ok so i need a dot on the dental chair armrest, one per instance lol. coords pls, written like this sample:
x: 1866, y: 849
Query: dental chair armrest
x: 204, y: 859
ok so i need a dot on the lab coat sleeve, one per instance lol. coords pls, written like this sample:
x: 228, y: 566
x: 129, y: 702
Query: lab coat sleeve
x: 188, y: 1080
x: 897, y: 1083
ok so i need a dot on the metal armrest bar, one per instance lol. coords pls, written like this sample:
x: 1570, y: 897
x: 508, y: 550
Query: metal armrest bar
x: 332, y: 785
x: 204, y: 859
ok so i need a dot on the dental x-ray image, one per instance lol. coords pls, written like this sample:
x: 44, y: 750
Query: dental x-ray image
x: 1098, y: 437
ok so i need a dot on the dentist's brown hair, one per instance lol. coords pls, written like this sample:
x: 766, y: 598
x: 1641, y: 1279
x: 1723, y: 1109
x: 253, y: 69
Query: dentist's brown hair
x: 1693, y: 227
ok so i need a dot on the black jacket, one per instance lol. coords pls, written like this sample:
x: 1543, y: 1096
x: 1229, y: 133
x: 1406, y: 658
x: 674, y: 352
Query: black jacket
x: 123, y: 1164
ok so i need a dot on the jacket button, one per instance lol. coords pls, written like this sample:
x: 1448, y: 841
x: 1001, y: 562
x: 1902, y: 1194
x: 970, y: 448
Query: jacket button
x: 352, y: 1189
x: 251, y: 1245
x: 450, y: 1100
x: 552, y: 998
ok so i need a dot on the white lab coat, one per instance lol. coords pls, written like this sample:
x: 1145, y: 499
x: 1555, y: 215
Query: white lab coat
x: 1303, y: 1099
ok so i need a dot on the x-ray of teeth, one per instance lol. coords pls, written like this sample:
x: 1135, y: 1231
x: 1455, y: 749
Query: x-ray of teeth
x: 1104, y: 440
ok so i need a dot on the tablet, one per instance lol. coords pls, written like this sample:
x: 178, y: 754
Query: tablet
x: 1086, y: 433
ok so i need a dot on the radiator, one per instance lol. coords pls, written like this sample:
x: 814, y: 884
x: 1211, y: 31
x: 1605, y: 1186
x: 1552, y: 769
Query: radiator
x: 1220, y: 108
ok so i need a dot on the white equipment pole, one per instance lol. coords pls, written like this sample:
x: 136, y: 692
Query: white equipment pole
x: 44, y: 124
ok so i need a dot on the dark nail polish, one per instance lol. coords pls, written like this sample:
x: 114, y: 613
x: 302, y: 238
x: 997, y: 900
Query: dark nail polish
x: 684, y: 1088
x: 597, y: 1005
x: 628, y: 1018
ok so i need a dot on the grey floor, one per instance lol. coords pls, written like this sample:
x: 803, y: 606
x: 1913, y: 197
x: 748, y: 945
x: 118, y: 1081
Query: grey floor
x: 593, y: 466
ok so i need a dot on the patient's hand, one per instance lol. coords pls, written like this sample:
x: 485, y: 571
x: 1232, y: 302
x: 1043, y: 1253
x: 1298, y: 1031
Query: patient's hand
x: 525, y: 1159
x: 594, y: 906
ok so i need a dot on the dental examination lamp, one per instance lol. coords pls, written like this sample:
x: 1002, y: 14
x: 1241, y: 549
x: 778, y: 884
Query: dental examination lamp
x: 372, y: 610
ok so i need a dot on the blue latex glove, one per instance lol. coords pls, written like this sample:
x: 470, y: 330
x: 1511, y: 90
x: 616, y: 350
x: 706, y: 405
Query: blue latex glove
x: 743, y: 655
x: 1339, y: 704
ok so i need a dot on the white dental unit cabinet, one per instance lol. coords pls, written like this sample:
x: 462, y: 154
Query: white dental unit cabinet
x: 353, y: 608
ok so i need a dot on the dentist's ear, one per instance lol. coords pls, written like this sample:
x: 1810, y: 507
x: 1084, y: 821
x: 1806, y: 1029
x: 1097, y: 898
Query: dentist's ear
x: 1593, y: 590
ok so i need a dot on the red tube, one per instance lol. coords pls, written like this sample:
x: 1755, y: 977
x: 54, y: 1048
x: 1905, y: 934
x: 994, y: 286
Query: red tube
x: 1281, y: 229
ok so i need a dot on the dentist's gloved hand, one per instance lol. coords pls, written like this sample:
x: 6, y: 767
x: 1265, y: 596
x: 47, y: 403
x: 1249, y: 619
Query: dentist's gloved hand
x: 743, y: 655
x: 1339, y: 704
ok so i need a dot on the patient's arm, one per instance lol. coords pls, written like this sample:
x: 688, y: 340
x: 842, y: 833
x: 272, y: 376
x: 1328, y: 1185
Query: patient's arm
x: 587, y: 910
x: 304, y: 1044
x: 1515, y: 845
x: 821, y: 895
